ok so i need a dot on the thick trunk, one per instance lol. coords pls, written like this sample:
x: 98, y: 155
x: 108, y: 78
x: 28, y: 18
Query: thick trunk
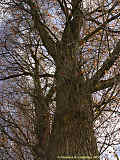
x: 73, y: 133
x: 77, y: 135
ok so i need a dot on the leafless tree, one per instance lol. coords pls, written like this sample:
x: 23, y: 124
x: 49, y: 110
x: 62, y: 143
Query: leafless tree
x: 60, y: 75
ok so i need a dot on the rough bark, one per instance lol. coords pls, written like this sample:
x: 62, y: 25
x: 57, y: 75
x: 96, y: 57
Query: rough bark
x: 73, y: 133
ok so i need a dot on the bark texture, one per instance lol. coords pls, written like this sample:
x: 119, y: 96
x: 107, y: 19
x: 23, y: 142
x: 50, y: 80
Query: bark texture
x: 73, y: 133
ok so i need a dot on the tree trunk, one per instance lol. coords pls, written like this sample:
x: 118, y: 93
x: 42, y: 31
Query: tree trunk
x: 73, y: 133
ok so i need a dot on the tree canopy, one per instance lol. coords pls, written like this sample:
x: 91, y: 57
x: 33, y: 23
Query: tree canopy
x: 60, y: 78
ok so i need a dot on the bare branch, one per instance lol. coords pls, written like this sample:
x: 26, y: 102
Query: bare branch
x: 85, y: 39
x: 103, y: 84
x: 43, y: 31
x: 63, y: 8
x: 106, y: 65
x: 26, y: 74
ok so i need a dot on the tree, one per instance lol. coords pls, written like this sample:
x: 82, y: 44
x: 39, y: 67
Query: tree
x: 68, y: 51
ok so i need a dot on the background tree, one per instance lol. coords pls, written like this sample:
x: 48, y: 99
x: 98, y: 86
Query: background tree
x: 63, y: 58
